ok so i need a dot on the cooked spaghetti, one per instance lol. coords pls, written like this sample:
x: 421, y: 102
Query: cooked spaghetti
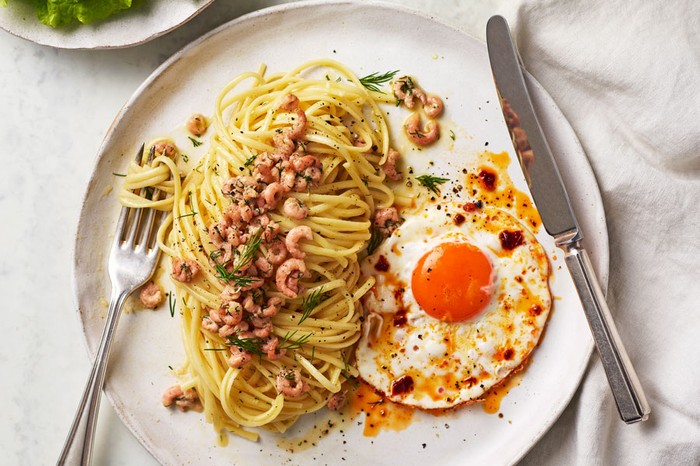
x: 264, y: 235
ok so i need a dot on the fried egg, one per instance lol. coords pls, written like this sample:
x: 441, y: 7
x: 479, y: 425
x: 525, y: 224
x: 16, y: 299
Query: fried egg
x: 461, y: 299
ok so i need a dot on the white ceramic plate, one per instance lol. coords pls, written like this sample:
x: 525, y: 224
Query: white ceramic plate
x: 127, y: 28
x: 368, y: 38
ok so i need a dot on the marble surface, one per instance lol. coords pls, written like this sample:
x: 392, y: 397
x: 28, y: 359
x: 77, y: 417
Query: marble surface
x: 57, y: 106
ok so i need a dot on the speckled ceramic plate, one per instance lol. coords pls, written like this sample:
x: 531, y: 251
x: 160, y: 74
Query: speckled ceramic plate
x: 368, y: 37
x: 137, y: 25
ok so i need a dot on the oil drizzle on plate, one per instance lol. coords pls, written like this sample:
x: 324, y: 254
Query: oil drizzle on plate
x: 380, y: 413
x: 493, y: 398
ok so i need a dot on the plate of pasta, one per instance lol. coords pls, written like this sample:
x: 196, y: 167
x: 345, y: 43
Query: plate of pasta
x: 352, y: 264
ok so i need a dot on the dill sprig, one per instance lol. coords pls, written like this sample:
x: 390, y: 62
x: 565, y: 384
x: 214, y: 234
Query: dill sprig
x: 309, y: 303
x: 432, y: 182
x: 288, y: 343
x: 252, y: 345
x: 249, y: 161
x: 244, y: 258
x: 375, y: 239
x: 194, y: 141
x: 374, y: 80
x: 171, y: 304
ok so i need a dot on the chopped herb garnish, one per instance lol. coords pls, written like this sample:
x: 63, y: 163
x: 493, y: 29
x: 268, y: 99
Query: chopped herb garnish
x: 375, y: 239
x: 244, y: 258
x: 432, y: 182
x: 215, y: 349
x: 288, y: 344
x: 250, y: 160
x: 171, y: 304
x: 191, y: 214
x: 185, y: 157
x: 309, y: 303
x: 195, y: 142
x: 119, y: 174
x: 452, y: 135
x: 251, y: 345
x: 374, y: 80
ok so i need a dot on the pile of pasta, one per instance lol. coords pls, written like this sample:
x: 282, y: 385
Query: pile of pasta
x: 347, y: 131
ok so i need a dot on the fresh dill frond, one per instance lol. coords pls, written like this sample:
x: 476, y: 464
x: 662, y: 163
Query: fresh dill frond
x: 249, y: 161
x: 195, y: 142
x: 244, y: 258
x: 191, y: 214
x: 119, y: 174
x: 252, y: 345
x: 288, y: 343
x: 309, y: 303
x: 171, y: 304
x: 432, y: 182
x: 375, y: 239
x: 374, y: 80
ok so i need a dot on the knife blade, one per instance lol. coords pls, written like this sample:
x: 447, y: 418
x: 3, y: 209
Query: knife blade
x: 553, y: 204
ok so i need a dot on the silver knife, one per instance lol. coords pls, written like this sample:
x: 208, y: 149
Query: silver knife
x: 553, y: 204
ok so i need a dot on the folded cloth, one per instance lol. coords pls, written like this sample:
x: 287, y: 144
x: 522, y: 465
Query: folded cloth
x: 626, y: 74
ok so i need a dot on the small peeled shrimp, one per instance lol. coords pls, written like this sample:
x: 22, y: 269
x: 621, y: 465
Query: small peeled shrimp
x: 294, y: 209
x: 288, y: 275
x: 389, y: 165
x: 272, y: 194
x: 238, y: 357
x: 184, y: 401
x: 165, y: 148
x: 270, y: 348
x: 197, y: 124
x: 289, y: 383
x: 151, y: 295
x: 289, y: 102
x: 433, y: 106
x: 387, y: 219
x: 405, y: 90
x: 337, y: 401
x: 418, y: 135
x: 294, y: 236
x: 299, y: 125
x: 184, y: 270
x: 276, y: 252
x: 273, y: 307
x: 172, y: 394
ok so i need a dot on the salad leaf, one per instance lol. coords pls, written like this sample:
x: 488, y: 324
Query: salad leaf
x: 58, y: 13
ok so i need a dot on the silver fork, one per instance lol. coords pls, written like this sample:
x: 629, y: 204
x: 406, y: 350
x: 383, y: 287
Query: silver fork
x: 132, y: 262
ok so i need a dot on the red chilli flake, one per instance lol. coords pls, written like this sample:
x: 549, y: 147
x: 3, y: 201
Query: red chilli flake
x: 382, y: 264
x: 536, y: 309
x: 458, y: 219
x: 472, y: 206
x: 511, y: 239
x: 488, y: 179
x: 400, y: 318
x: 402, y: 385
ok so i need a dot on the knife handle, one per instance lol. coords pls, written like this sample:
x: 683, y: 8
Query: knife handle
x: 627, y: 391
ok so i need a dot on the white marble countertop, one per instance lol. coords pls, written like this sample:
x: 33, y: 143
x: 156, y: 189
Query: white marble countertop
x: 57, y: 105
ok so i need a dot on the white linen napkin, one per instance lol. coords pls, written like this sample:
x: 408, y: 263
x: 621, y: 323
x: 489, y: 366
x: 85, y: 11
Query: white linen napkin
x: 626, y: 75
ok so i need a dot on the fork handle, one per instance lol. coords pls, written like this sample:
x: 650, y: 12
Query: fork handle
x: 79, y: 443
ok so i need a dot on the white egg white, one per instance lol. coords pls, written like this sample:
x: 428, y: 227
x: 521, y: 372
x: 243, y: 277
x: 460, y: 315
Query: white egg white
x: 418, y: 360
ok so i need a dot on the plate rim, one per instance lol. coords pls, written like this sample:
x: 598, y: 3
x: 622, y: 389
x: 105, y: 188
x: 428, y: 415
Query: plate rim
x: 601, y: 262
x: 50, y: 37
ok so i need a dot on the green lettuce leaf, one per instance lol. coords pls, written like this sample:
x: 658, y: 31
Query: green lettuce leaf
x: 57, y: 13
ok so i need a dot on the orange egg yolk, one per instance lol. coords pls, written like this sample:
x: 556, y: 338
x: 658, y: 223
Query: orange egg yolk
x: 453, y: 282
